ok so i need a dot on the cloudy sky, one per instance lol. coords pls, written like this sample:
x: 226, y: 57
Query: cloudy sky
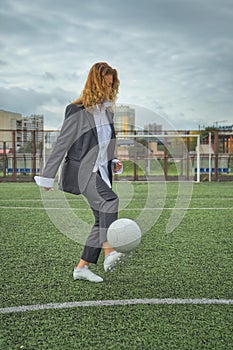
x: 174, y: 57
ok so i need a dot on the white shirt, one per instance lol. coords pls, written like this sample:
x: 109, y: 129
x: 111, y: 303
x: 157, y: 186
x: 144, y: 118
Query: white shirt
x: 104, y: 133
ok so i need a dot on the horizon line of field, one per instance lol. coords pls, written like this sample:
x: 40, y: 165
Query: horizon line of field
x: 120, y: 209
x: 122, y: 302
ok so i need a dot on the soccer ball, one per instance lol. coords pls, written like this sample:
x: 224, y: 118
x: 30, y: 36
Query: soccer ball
x: 124, y: 235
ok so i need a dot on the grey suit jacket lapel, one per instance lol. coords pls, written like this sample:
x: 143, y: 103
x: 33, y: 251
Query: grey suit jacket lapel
x: 90, y: 118
x: 110, y: 119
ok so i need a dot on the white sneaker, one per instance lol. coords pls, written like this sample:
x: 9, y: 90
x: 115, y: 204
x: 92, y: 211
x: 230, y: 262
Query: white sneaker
x: 85, y: 274
x: 111, y: 260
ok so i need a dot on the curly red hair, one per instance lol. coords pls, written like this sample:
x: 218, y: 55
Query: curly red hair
x: 96, y: 89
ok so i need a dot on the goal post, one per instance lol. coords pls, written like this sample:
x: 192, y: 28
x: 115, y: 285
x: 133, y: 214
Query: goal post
x: 160, y: 156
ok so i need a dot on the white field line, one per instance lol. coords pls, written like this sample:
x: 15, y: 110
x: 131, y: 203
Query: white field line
x: 122, y: 199
x: 128, y: 209
x: 68, y: 305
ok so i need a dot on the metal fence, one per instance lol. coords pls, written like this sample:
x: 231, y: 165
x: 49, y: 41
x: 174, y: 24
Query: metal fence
x: 181, y: 155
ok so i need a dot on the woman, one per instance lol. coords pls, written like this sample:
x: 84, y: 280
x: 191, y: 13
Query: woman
x: 87, y: 138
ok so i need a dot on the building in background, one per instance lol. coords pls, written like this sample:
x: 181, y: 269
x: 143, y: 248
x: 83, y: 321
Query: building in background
x: 124, y: 122
x: 34, y: 122
x: 153, y: 142
x: 153, y: 128
x: 10, y: 121
x: 124, y: 119
x: 22, y: 126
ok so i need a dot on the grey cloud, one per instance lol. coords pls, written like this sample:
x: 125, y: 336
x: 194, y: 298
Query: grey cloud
x: 3, y: 63
x: 21, y: 100
x: 49, y: 76
x: 29, y: 101
x: 178, y: 52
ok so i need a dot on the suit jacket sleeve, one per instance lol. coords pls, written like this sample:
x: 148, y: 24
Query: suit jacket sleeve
x: 73, y: 127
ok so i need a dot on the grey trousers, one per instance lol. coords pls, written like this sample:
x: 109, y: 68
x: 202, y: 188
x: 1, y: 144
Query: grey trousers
x: 104, y: 204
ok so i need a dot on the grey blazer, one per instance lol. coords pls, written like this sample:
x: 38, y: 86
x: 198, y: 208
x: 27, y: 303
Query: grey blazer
x: 78, y: 140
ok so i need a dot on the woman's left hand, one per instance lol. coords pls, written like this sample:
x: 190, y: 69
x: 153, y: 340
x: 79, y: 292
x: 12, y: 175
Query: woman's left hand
x: 117, y: 167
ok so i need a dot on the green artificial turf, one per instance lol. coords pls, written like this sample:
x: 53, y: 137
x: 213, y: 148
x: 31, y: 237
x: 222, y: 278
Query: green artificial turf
x: 123, y: 327
x: 194, y: 261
